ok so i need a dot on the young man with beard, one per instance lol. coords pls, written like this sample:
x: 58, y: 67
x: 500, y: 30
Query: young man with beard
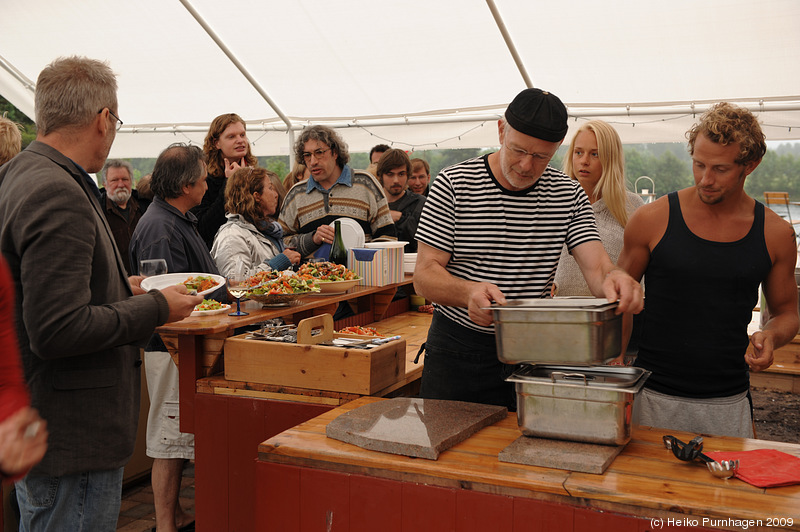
x: 704, y: 251
x: 404, y: 206
x: 121, y: 207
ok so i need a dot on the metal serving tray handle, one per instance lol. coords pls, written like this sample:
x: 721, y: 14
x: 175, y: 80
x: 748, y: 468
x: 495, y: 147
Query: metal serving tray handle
x: 562, y: 375
x: 630, y: 380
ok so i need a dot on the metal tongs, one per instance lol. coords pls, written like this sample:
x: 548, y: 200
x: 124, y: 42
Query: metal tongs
x: 276, y: 332
x: 693, y: 450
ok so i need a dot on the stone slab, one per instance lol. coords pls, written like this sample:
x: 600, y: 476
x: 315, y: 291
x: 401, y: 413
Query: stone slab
x: 560, y: 454
x: 421, y: 428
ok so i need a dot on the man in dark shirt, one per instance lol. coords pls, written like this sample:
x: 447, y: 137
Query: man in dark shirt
x: 404, y: 206
x: 121, y: 208
x: 704, y: 250
x: 169, y: 231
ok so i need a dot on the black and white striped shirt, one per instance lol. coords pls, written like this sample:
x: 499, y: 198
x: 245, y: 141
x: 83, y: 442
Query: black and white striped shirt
x: 510, y: 238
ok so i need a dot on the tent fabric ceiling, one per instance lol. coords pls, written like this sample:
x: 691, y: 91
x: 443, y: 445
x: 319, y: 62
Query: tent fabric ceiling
x: 413, y: 73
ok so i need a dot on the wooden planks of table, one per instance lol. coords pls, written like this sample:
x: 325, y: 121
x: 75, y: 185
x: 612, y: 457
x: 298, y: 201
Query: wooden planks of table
x: 308, y: 482
x: 196, y: 343
x: 229, y: 419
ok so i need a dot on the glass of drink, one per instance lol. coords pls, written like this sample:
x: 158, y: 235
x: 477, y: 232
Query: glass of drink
x: 151, y: 267
x: 238, y: 287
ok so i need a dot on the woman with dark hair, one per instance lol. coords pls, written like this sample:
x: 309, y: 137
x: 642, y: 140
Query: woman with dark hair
x: 226, y: 149
x: 251, y: 234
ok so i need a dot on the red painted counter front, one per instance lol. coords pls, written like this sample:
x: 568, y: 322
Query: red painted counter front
x: 310, y: 483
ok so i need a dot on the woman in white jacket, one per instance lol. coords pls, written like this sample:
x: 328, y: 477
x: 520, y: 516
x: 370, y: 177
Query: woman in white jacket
x: 251, y: 235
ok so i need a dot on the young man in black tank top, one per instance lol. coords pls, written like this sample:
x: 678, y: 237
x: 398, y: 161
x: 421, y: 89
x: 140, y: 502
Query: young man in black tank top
x: 704, y: 251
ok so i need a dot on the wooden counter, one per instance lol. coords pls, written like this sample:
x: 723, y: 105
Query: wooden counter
x: 412, y: 326
x: 307, y: 481
x: 229, y: 419
x: 197, y: 342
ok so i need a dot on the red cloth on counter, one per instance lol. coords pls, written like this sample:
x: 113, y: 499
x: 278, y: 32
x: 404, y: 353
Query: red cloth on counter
x: 763, y: 468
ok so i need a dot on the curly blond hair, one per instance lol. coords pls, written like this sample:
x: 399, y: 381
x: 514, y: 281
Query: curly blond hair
x: 10, y: 139
x: 725, y: 124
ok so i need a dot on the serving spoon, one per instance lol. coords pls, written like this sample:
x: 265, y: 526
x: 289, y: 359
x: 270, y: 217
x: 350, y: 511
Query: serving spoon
x: 693, y: 450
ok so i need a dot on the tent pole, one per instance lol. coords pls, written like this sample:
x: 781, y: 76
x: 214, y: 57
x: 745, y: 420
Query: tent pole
x: 510, y: 43
x: 238, y: 65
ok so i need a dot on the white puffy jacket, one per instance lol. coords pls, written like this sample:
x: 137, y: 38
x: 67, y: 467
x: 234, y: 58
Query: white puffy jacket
x: 239, y: 239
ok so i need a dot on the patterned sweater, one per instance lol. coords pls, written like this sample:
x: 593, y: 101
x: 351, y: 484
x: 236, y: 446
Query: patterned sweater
x: 569, y: 278
x: 355, y: 195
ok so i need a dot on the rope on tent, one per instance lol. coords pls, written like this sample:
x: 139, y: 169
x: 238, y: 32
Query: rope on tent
x: 417, y: 146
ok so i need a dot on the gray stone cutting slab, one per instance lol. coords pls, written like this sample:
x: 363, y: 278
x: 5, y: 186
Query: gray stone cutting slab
x: 422, y: 428
x: 560, y: 454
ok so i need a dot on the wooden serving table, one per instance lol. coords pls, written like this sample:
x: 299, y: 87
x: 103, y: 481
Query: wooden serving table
x: 196, y: 342
x: 308, y: 482
x: 229, y: 419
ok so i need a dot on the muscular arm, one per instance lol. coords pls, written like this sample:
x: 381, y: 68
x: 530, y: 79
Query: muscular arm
x: 780, y: 291
x: 605, y: 279
x: 432, y: 281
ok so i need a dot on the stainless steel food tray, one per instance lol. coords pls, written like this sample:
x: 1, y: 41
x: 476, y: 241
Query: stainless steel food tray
x: 582, y: 331
x: 591, y: 405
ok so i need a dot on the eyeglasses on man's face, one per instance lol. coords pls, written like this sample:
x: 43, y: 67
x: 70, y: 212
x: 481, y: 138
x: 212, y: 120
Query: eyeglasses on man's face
x: 119, y: 122
x: 316, y: 153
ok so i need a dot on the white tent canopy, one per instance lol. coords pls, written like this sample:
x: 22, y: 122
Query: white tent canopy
x: 416, y: 74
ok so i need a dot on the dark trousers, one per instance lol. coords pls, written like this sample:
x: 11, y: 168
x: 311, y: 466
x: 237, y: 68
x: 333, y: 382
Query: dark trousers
x: 461, y: 365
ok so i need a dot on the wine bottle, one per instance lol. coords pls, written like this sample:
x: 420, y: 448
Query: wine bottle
x: 338, y: 254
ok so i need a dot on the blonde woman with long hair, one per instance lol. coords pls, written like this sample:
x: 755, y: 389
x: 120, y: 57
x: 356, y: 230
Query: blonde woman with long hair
x: 595, y: 159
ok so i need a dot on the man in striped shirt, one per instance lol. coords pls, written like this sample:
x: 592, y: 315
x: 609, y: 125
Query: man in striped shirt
x: 491, y: 230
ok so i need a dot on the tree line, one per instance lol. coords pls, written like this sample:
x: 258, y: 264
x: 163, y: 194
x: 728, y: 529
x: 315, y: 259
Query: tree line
x: 667, y: 164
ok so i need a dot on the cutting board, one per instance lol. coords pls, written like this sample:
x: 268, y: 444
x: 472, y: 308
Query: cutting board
x: 416, y: 427
x: 560, y: 454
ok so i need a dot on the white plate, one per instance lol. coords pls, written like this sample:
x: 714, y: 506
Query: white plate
x: 159, y: 282
x: 352, y: 234
x: 224, y: 308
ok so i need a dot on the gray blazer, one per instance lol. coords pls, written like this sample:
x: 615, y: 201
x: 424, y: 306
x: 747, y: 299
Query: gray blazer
x: 77, y: 319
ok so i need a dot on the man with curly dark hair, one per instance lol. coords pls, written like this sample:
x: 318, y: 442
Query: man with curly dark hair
x: 334, y: 190
x: 704, y: 251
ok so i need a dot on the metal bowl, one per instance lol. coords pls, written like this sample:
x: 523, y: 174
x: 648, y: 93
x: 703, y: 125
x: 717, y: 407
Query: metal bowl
x: 576, y: 331
x: 276, y: 300
x: 336, y: 287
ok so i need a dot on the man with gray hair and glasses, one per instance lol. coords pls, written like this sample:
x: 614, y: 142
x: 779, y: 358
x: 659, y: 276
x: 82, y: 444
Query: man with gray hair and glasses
x: 120, y: 205
x: 80, y: 318
x: 168, y: 230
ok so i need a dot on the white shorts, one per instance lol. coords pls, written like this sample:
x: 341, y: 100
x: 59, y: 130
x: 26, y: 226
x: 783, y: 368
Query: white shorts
x: 164, y: 438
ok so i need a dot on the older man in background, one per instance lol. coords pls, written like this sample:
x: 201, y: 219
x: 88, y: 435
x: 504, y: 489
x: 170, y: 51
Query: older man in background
x: 78, y: 321
x: 119, y: 204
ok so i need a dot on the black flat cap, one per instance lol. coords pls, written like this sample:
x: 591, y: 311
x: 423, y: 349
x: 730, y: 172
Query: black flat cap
x: 539, y: 114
